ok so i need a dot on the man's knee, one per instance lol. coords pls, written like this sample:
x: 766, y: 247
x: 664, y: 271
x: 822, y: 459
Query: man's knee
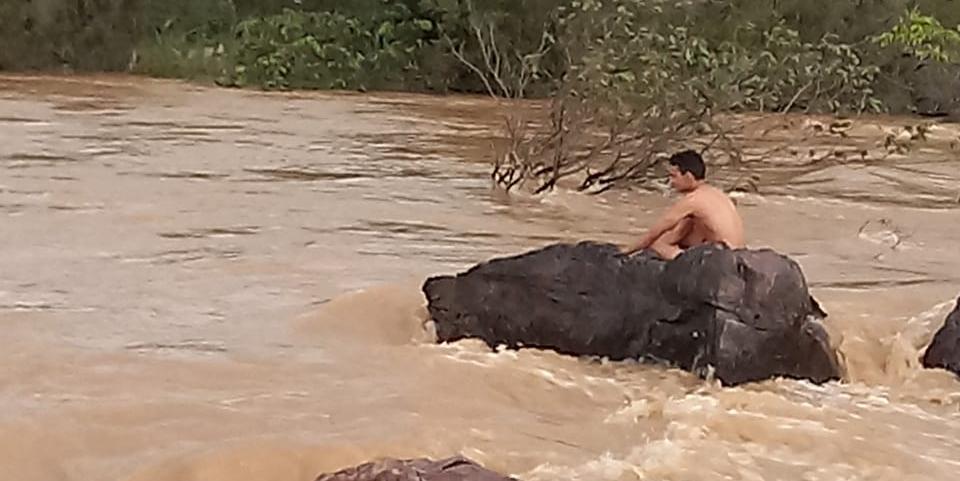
x: 678, y: 232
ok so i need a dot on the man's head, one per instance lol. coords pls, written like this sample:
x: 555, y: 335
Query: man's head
x: 686, y: 170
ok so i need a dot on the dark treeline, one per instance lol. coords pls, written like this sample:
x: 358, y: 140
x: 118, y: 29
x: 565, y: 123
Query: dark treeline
x: 814, y: 55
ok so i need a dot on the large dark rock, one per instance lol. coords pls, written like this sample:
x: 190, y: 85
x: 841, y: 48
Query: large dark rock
x: 944, y: 351
x: 456, y: 468
x: 933, y: 88
x: 745, y: 313
x: 936, y: 90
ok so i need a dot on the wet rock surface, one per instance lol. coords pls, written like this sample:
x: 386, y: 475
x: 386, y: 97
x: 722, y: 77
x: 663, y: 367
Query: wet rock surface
x: 456, y: 468
x: 744, y: 314
x: 944, y: 350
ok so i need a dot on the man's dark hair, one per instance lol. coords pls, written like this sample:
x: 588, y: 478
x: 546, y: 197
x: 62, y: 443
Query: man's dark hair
x: 689, y: 161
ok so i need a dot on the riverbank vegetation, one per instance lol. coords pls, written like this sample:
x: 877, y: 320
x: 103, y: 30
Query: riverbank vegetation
x: 627, y: 79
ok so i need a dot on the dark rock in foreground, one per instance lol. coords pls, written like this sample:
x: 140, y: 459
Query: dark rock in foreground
x: 745, y: 313
x: 451, y: 469
x: 944, y: 351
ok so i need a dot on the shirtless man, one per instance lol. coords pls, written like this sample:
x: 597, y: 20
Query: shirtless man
x: 703, y: 215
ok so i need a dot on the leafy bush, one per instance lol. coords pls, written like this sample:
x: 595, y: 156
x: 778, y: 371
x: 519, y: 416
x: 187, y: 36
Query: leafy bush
x: 297, y: 49
x: 920, y: 63
x: 923, y: 37
x: 769, y: 69
x: 77, y: 35
x: 637, y: 87
x: 753, y: 54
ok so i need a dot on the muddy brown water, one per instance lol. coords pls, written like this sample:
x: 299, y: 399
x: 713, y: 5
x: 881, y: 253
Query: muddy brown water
x: 206, y: 284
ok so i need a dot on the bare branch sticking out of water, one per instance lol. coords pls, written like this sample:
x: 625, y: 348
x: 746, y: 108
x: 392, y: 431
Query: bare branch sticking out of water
x: 813, y: 147
x: 601, y: 151
x: 575, y: 149
x: 889, y: 233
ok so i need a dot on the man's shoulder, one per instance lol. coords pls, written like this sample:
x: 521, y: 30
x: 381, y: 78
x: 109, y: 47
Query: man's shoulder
x: 704, y: 191
x: 712, y: 192
x: 706, y: 197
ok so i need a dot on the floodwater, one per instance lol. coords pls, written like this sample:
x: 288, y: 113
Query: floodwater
x: 206, y: 284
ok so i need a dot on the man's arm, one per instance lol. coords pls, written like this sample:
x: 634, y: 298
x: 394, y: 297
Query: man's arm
x: 679, y: 211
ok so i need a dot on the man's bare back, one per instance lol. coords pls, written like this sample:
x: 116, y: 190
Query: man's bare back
x: 703, y: 215
x: 712, y: 218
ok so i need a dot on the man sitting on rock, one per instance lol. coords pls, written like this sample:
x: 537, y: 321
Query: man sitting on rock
x: 705, y: 214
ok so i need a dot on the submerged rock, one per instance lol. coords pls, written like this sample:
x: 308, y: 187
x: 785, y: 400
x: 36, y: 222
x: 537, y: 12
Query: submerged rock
x: 456, y: 468
x: 747, y: 314
x: 944, y: 351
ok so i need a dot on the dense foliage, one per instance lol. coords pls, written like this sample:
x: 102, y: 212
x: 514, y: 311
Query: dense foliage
x: 628, y: 79
x: 820, y: 55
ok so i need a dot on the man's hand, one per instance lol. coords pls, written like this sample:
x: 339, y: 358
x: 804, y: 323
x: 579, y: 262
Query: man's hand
x: 630, y: 249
